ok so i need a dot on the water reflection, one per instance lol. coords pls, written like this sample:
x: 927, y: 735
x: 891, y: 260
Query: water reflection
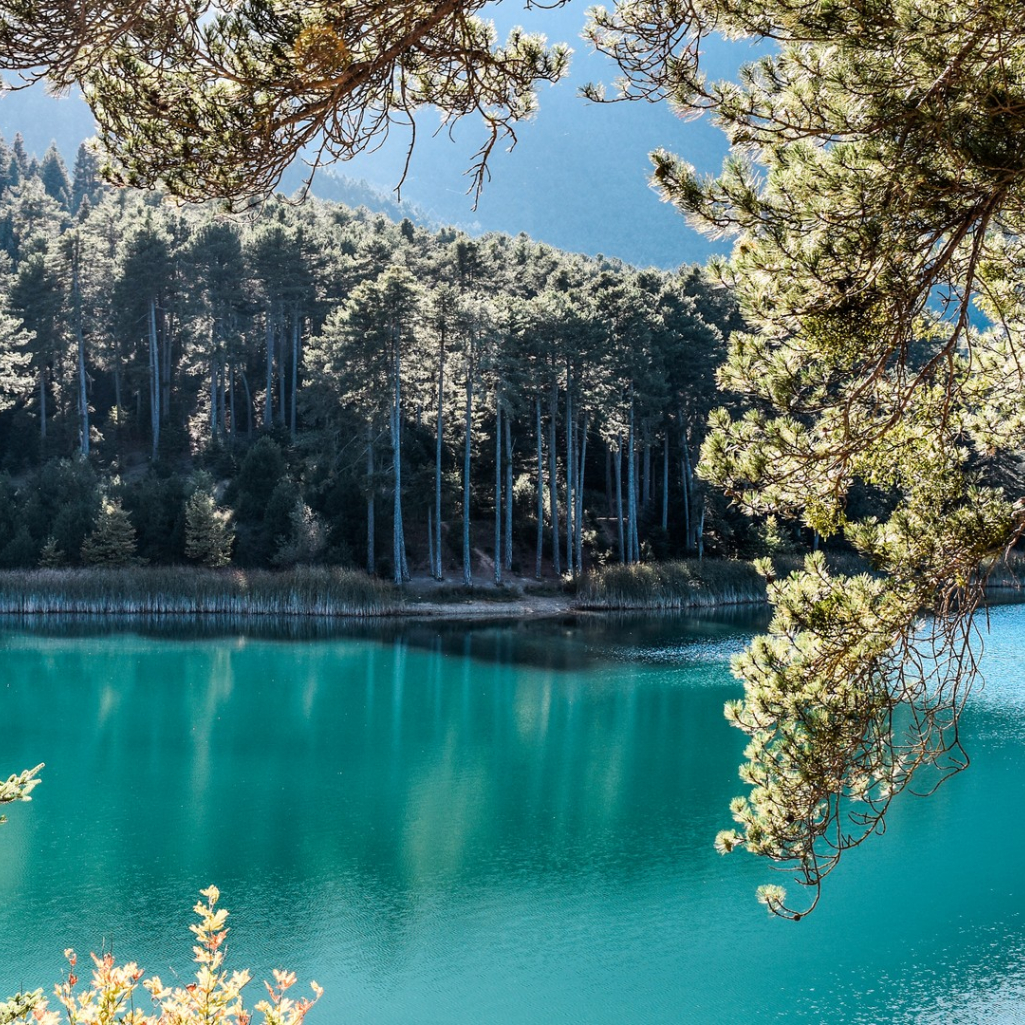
x: 562, y: 643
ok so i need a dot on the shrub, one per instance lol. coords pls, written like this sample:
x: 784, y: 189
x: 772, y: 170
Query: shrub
x: 215, y: 998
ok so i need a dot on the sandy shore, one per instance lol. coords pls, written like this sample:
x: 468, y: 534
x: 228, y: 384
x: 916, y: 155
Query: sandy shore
x: 487, y: 601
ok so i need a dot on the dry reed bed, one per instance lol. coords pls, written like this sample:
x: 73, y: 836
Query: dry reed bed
x: 672, y: 585
x: 188, y: 591
x: 691, y: 583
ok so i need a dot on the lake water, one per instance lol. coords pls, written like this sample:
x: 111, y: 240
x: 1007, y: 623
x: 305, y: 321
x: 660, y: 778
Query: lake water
x: 491, y: 825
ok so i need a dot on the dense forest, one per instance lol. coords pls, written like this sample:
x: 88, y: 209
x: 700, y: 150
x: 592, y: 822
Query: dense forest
x: 321, y: 384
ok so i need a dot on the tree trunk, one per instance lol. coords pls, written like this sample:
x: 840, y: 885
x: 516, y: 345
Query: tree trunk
x: 165, y: 373
x: 646, y: 488
x: 580, y: 495
x: 231, y: 399
x: 498, y: 488
x: 436, y: 569
x: 371, y: 561
x: 430, y: 539
x: 570, y: 482
x: 83, y: 401
x: 295, y: 371
x: 619, y: 497
x: 42, y: 403
x: 268, y: 402
x: 687, y: 478
x: 633, y: 552
x: 249, y: 405
x: 467, y: 425
x: 213, y: 399
x: 665, y: 482
x: 154, y: 377
x: 540, y: 494
x: 553, y: 486
x: 401, y: 572
x: 281, y: 371
x: 507, y: 552
x: 609, y: 504
x: 117, y: 387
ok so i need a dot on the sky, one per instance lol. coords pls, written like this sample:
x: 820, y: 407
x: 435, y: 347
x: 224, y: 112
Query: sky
x: 577, y: 178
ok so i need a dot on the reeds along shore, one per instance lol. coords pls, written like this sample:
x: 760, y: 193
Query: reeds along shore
x: 314, y: 591
x: 672, y: 585
x: 692, y: 583
x: 335, y: 592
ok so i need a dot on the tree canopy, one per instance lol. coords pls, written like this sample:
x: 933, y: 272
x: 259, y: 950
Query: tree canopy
x: 217, y: 98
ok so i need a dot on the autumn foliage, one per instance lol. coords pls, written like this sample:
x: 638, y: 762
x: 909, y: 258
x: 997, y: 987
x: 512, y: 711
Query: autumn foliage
x: 214, y: 998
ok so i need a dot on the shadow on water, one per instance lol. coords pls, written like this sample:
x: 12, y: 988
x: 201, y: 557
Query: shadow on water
x: 563, y: 643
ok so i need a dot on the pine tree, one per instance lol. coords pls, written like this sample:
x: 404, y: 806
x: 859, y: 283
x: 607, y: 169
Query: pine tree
x: 112, y: 542
x: 54, y: 175
x: 209, y: 535
x: 87, y: 185
x: 51, y: 556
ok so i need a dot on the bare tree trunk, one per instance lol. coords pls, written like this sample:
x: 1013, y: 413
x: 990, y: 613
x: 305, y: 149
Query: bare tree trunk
x: 281, y: 370
x: 154, y: 377
x: 165, y: 374
x: 42, y: 403
x: 83, y: 400
x: 439, y: 435
x: 580, y: 495
x: 665, y: 481
x: 633, y: 548
x: 213, y: 398
x: 231, y: 400
x: 540, y: 493
x: 295, y: 371
x: 467, y: 427
x: 371, y: 561
x: 619, y: 496
x: 268, y: 405
x: 249, y: 405
x: 570, y: 503
x: 646, y: 488
x: 553, y: 486
x: 688, y: 477
x: 117, y: 387
x: 701, y: 533
x: 508, y: 493
x: 498, y: 487
x: 430, y: 540
x: 401, y: 570
x: 610, y: 506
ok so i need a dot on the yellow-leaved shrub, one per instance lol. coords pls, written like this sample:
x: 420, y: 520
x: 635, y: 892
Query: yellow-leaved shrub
x: 215, y: 998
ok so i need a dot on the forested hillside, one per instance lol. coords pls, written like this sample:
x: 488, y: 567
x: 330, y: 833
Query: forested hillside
x: 329, y: 386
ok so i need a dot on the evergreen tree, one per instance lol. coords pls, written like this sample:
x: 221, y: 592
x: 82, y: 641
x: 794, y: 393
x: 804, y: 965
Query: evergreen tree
x: 112, y: 543
x: 87, y: 185
x: 209, y: 536
x: 54, y: 176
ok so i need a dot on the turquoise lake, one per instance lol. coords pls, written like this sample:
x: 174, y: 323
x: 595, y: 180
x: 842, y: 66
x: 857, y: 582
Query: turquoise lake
x: 484, y: 824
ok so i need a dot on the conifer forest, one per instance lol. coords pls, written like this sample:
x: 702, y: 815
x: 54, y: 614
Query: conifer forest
x: 312, y: 384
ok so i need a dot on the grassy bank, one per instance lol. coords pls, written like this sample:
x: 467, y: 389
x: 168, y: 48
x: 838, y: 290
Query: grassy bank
x: 187, y: 591
x: 672, y: 585
x: 690, y: 583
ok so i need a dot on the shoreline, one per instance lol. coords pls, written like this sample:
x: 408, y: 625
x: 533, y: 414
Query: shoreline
x: 321, y: 593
